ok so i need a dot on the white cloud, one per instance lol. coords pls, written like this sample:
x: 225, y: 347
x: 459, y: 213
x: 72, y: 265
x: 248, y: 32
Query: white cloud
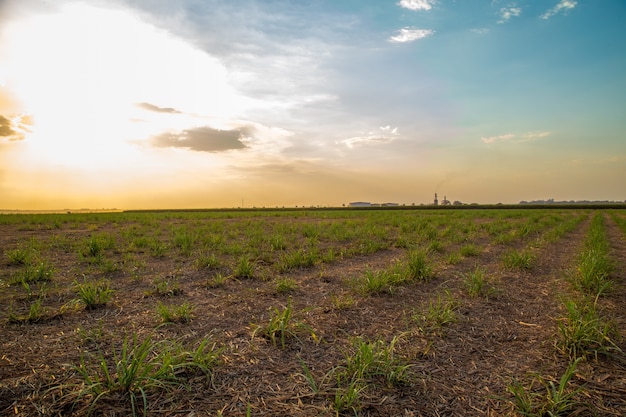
x: 506, y: 13
x: 410, y: 35
x: 513, y: 138
x: 563, y: 6
x: 501, y: 138
x: 417, y: 4
x: 393, y: 131
x: 530, y: 136
x: 385, y: 135
x: 366, y: 140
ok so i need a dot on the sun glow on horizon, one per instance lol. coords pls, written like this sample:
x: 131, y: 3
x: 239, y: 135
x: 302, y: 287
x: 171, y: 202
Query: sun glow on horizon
x: 82, y: 71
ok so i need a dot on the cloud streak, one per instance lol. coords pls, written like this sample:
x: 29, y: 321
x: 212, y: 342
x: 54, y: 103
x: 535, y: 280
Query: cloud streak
x: 417, y: 4
x: 506, y: 13
x: 157, y: 109
x: 386, y: 135
x: 513, y: 138
x: 203, y: 139
x: 14, y: 128
x: 405, y: 35
x: 6, y: 127
x: 562, y: 7
x: 500, y: 138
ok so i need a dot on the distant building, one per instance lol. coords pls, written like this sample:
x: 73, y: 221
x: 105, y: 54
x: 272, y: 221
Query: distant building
x: 368, y: 204
x: 445, y: 201
x: 436, y: 202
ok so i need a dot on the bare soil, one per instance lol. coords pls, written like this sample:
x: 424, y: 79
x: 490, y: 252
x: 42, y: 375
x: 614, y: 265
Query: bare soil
x: 463, y: 369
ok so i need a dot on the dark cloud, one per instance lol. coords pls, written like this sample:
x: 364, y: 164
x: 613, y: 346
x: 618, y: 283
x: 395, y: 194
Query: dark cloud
x: 8, y: 129
x: 152, y: 107
x: 203, y: 139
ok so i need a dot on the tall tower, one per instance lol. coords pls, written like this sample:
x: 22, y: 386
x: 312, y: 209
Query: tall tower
x: 436, y: 201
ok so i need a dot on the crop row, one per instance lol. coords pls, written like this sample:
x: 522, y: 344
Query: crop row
x: 584, y: 333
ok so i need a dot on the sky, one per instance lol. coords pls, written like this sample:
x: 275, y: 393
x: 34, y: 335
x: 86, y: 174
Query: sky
x: 141, y: 104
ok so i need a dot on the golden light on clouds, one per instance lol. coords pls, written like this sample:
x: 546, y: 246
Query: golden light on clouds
x: 82, y: 71
x: 98, y: 85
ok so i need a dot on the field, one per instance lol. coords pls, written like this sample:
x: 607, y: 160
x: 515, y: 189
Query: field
x: 314, y: 313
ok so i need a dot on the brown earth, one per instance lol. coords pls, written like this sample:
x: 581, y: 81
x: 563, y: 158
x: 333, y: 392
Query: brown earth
x: 462, y: 369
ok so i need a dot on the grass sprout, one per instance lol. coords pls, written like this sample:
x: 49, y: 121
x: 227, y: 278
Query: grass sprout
x: 374, y: 282
x: 167, y: 287
x: 316, y: 387
x: 41, y: 272
x: 342, y: 302
x: 469, y: 249
x: 301, y: 258
x: 181, y: 313
x: 285, y: 285
x: 584, y: 333
x: 592, y: 272
x: 347, y: 397
x: 93, y: 294
x: 438, y: 314
x: 418, y: 265
x: 137, y: 369
x: 372, y: 359
x: 477, y: 284
x: 515, y: 259
x: 218, y: 280
x: 277, y: 243
x: 19, y: 257
x: 245, y: 268
x: 281, y: 327
x: 454, y: 258
x: 206, y: 261
x: 36, y: 313
x: 557, y: 398
x: 364, y: 362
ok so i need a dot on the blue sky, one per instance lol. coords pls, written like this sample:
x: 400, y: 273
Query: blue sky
x: 203, y: 103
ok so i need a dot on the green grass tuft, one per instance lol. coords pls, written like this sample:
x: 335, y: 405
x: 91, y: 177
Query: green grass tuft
x: 515, y: 259
x: 584, y: 333
x: 418, y: 265
x: 477, y: 283
x: 285, y: 285
x: 438, y: 314
x: 94, y: 294
x: 245, y: 268
x: 181, y: 313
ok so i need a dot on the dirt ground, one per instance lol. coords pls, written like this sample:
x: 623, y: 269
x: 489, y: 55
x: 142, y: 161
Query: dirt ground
x: 462, y: 369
